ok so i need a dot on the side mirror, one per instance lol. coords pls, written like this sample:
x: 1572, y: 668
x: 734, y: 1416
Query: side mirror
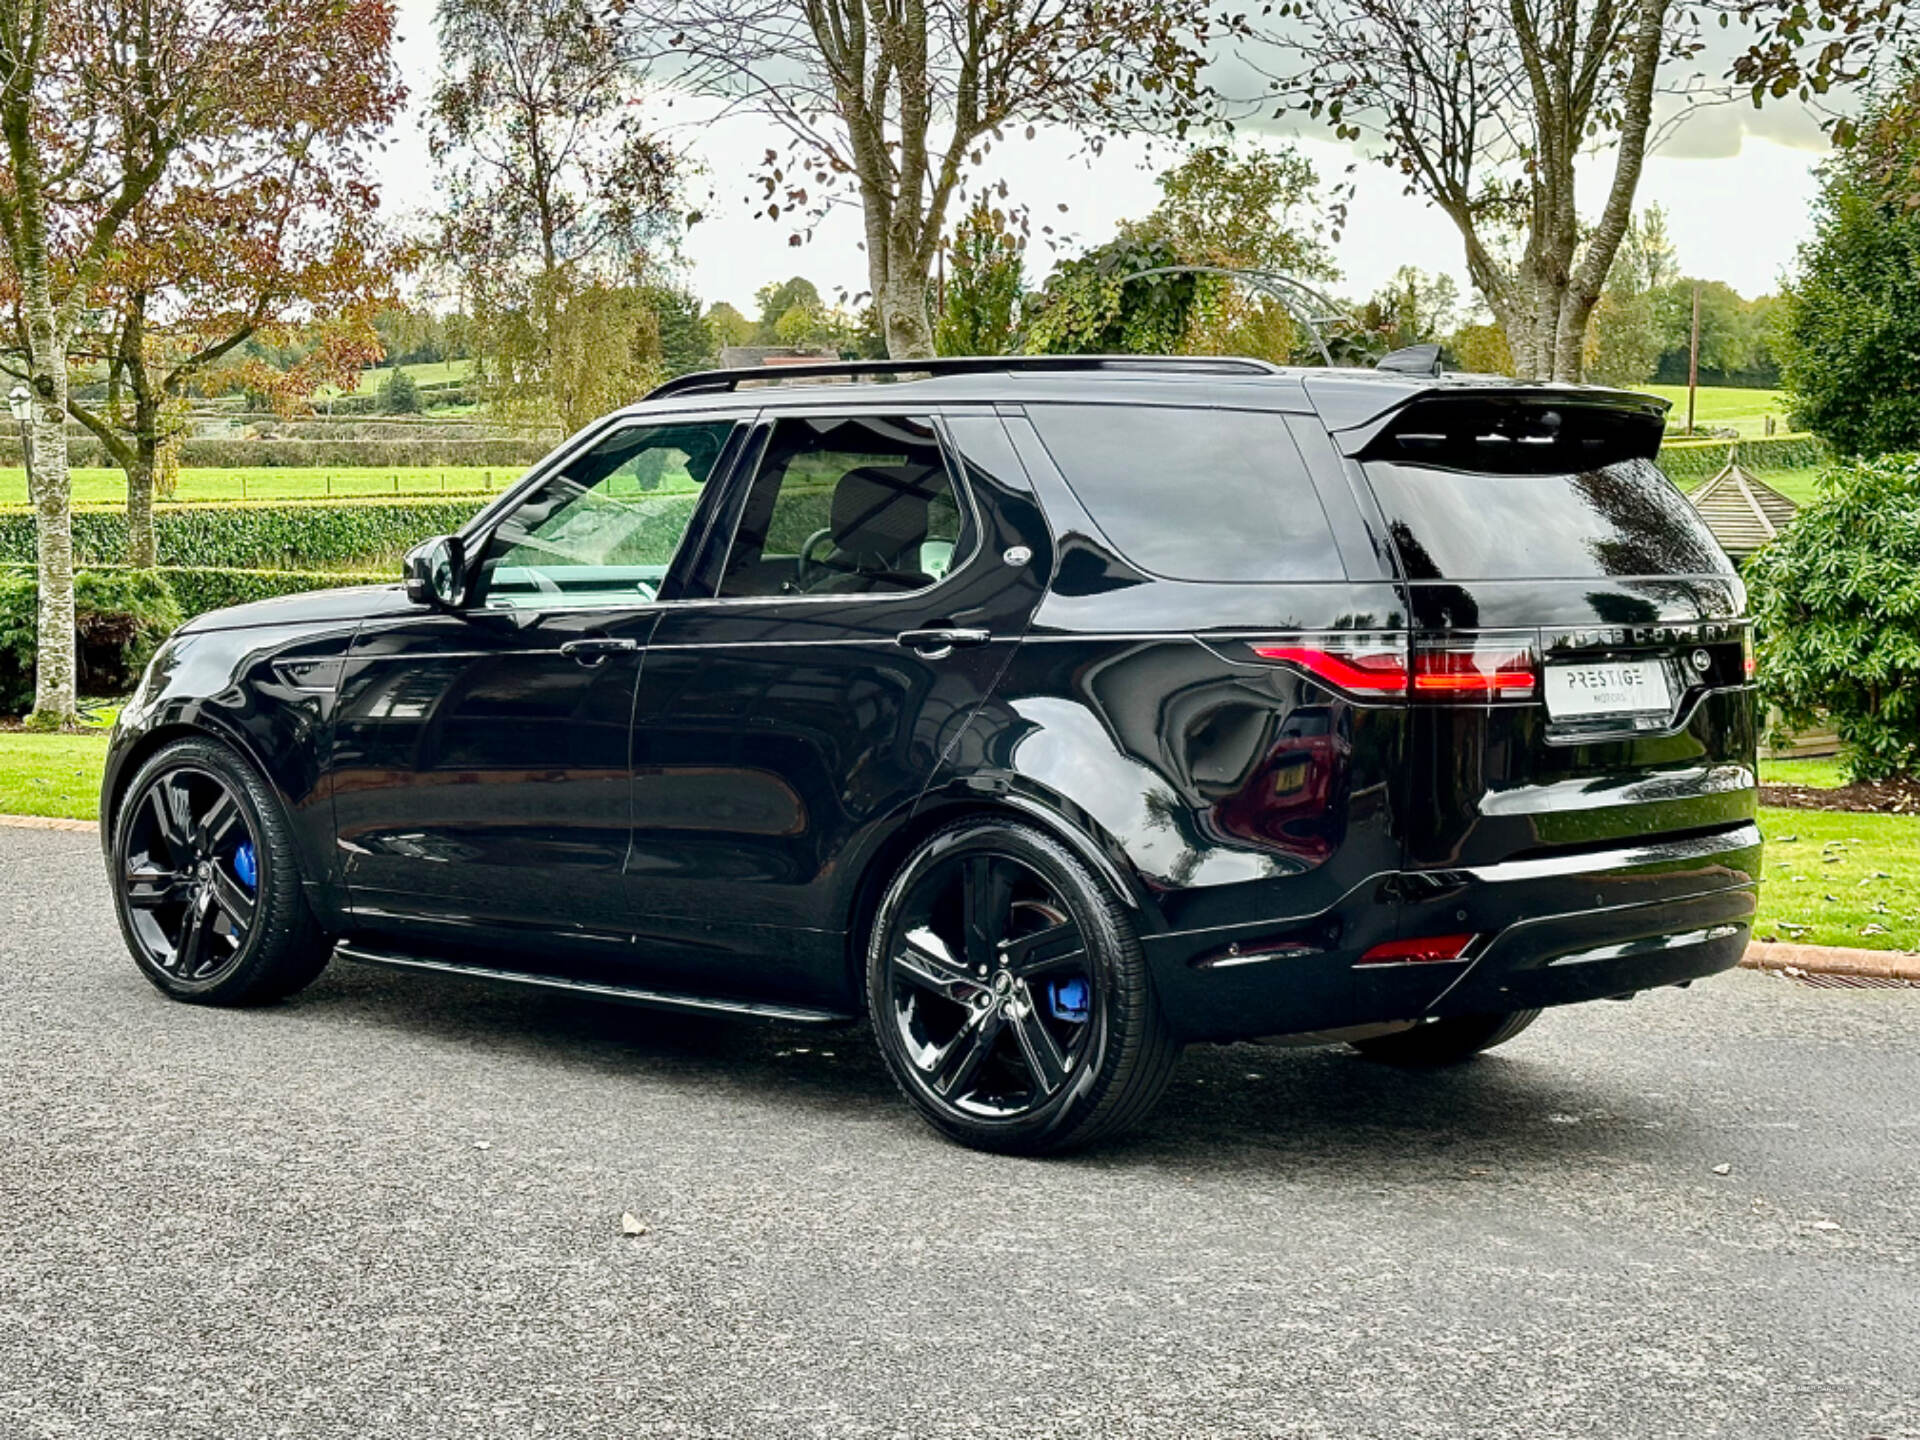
x: 436, y: 572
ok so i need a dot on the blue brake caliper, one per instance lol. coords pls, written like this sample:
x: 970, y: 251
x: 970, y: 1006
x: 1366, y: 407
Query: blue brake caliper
x: 245, y: 866
x: 1068, y: 999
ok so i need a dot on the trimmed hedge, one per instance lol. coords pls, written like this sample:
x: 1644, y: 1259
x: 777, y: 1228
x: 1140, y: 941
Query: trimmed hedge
x: 1688, y: 460
x: 363, y: 534
x: 199, y: 590
x: 120, y: 618
x: 196, y: 453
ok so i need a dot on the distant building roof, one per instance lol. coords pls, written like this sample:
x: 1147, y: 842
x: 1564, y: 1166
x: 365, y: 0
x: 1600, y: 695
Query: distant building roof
x: 1742, y: 513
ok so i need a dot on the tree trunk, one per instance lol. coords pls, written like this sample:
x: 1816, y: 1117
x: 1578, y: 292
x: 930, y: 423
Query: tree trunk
x: 142, y: 550
x: 54, y: 701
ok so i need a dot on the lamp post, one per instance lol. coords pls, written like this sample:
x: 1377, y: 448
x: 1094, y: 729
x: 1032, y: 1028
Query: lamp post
x: 20, y: 401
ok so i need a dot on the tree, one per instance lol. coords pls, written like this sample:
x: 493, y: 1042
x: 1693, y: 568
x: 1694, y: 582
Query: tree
x: 262, y: 228
x: 99, y: 102
x: 686, y: 336
x: 1090, y: 306
x: 1415, y: 308
x: 779, y: 298
x: 985, y: 281
x: 1626, y: 338
x: 1836, y: 604
x: 1850, y: 332
x: 399, y: 395
x: 898, y: 102
x: 554, y: 190
x: 1486, y: 111
x: 729, y: 326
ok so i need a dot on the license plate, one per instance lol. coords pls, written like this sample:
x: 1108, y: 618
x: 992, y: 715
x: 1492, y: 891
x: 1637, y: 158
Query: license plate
x: 1629, y: 687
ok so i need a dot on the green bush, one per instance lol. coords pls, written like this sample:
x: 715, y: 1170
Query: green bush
x: 120, y: 618
x: 1836, y: 603
x: 1688, y: 460
x: 199, y: 590
x: 363, y: 534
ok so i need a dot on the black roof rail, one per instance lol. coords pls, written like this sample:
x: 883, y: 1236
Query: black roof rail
x: 706, y: 382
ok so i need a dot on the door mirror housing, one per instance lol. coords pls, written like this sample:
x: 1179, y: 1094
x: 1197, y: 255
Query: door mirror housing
x: 436, y: 572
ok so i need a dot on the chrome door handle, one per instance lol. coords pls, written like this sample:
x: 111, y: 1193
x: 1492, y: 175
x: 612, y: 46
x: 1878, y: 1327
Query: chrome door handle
x: 935, y: 643
x: 595, y: 649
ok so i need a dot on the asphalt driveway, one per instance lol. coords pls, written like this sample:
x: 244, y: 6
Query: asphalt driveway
x: 393, y: 1208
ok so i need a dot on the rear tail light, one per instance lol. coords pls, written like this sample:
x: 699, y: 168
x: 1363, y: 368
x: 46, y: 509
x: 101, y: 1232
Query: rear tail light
x: 1485, y: 668
x: 1419, y: 950
x: 1358, y: 664
x: 1746, y: 652
x: 1476, y: 668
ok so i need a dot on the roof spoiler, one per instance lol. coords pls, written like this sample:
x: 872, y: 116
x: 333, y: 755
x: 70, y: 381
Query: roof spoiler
x: 1516, y: 432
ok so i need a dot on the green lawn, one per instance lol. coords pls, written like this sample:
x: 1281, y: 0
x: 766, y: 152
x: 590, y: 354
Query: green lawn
x: 1724, y: 405
x: 51, y: 774
x: 278, y: 482
x: 435, y: 373
x: 1824, y: 774
x: 1841, y: 879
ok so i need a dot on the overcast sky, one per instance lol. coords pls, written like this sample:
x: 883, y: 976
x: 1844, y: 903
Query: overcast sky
x: 1736, y: 184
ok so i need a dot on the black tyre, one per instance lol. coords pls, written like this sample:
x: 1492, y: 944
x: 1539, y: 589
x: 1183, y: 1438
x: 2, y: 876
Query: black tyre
x: 207, y: 883
x: 1009, y: 994
x: 1446, y: 1042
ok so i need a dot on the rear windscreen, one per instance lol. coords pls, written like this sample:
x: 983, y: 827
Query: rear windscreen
x: 1194, y: 494
x: 1623, y: 519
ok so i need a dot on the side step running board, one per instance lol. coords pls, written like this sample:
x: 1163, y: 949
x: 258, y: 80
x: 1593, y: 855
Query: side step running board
x: 625, y: 994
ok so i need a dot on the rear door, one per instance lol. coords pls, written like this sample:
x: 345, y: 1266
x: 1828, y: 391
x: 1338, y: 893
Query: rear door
x: 866, y: 589
x: 1578, y: 671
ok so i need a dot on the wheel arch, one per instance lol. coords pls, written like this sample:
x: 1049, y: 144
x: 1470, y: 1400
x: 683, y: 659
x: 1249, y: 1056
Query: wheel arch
x: 935, y: 813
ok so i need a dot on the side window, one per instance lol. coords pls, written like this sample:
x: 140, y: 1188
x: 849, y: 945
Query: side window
x: 847, y: 507
x: 1194, y: 494
x: 603, y: 530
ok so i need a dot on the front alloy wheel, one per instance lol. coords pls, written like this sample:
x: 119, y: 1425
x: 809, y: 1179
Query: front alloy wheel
x: 190, y: 874
x: 207, y: 882
x: 1009, y: 995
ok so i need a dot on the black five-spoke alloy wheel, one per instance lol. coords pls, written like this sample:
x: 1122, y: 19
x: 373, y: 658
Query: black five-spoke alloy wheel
x: 208, y: 890
x: 1009, y: 994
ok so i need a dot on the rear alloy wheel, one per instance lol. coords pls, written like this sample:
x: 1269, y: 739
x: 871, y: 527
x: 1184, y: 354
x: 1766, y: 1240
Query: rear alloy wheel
x: 1446, y: 1042
x: 208, y: 887
x: 1009, y: 994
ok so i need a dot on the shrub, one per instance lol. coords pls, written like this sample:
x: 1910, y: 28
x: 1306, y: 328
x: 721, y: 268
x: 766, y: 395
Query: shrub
x: 200, y: 589
x: 363, y: 534
x: 1689, y: 460
x: 1836, y: 602
x: 399, y: 394
x: 120, y: 618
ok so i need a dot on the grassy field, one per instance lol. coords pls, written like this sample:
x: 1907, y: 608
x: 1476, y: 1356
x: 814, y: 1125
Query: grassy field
x: 436, y: 373
x: 1724, y: 406
x: 290, y: 482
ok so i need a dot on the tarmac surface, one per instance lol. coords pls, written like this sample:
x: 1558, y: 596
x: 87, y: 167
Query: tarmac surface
x: 393, y: 1207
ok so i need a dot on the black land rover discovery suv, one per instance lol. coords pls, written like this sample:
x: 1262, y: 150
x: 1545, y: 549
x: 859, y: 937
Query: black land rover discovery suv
x: 1049, y: 713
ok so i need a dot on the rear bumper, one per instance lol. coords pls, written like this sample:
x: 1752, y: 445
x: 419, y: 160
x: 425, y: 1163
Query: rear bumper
x: 1550, y: 931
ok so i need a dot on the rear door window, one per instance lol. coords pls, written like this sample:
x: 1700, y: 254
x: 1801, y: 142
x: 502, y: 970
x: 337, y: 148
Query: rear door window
x: 1620, y: 520
x: 1194, y: 494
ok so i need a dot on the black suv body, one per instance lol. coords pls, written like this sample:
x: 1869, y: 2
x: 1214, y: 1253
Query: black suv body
x: 1052, y: 714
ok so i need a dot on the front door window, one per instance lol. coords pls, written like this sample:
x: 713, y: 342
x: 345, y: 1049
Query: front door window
x: 601, y: 531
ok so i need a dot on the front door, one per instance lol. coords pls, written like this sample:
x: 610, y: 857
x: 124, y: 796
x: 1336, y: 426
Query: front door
x: 482, y: 762
x: 877, y: 578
